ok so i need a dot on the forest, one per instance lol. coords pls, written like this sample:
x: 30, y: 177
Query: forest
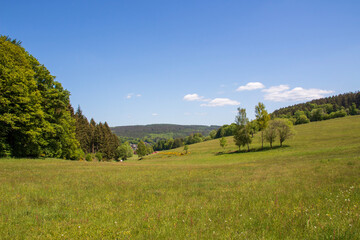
x: 321, y: 109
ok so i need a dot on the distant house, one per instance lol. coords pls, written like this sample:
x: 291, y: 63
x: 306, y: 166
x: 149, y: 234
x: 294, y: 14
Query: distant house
x: 134, y: 147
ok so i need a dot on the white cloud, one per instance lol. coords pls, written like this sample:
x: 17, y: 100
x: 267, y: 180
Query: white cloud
x: 193, y: 97
x: 131, y: 95
x: 251, y: 86
x: 220, y: 102
x: 283, y: 93
x: 276, y: 89
x: 155, y: 114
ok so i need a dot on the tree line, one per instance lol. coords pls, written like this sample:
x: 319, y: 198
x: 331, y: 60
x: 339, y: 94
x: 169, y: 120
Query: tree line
x: 321, y: 109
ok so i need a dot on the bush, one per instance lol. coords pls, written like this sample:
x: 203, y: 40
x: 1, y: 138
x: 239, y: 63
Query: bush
x: 98, y: 155
x: 78, y: 154
x: 88, y: 157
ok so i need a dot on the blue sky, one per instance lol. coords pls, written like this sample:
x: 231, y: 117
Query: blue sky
x: 190, y: 62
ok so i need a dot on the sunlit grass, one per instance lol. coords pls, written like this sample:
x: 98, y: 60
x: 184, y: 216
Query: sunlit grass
x: 309, y: 189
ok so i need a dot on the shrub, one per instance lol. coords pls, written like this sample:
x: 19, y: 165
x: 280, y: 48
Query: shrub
x: 88, y: 157
x: 78, y: 154
x: 98, y: 155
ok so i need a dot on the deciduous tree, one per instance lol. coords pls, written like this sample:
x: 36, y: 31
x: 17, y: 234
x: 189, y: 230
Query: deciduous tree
x: 262, y: 117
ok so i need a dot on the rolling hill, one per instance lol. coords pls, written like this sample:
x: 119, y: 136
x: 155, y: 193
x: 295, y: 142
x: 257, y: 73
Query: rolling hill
x: 166, y: 130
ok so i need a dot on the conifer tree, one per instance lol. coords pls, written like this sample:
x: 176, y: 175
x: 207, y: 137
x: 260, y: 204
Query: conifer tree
x: 83, y: 131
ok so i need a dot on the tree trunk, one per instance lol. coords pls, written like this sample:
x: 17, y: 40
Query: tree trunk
x: 262, y: 139
x: 248, y: 147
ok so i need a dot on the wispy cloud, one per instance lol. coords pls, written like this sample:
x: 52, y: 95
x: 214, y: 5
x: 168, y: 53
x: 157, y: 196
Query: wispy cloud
x: 155, y: 114
x: 220, y: 102
x: 251, y: 86
x: 131, y: 95
x: 283, y: 93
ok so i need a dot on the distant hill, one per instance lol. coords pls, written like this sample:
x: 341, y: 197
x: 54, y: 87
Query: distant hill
x: 162, y: 130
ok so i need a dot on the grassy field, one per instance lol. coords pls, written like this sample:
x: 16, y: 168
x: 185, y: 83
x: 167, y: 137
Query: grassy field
x: 309, y: 189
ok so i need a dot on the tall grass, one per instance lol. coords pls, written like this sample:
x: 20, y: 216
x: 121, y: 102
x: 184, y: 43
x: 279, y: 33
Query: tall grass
x: 309, y: 189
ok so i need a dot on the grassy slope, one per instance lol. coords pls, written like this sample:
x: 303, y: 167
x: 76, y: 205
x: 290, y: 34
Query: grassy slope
x: 309, y: 189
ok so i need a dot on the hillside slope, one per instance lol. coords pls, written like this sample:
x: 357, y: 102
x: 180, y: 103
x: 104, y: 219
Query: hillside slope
x: 308, y: 189
x: 316, y: 139
x: 169, y: 130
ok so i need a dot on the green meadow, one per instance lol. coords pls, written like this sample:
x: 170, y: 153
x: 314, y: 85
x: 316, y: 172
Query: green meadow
x: 308, y: 189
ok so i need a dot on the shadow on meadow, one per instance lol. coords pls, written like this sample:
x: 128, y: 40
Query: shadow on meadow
x: 267, y: 148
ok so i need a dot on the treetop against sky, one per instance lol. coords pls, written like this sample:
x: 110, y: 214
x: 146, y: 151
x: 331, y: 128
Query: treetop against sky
x: 190, y: 62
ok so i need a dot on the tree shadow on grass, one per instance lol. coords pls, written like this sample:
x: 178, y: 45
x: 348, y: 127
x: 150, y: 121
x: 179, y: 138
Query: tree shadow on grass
x: 267, y: 148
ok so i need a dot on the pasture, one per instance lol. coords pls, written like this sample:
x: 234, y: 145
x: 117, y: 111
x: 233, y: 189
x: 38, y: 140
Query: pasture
x: 308, y: 189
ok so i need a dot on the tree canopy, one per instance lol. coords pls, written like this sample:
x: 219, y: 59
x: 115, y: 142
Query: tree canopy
x: 35, y: 111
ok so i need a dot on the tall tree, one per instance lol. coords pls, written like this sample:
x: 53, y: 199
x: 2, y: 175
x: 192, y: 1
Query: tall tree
x: 141, y: 150
x: 242, y: 133
x: 271, y: 132
x: 223, y: 143
x: 262, y: 117
x: 83, y: 131
x: 284, y: 128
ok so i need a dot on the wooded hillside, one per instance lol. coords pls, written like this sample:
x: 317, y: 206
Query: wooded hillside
x: 162, y: 130
x: 338, y: 102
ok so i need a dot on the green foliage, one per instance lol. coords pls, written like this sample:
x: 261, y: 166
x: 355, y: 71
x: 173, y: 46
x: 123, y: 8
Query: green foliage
x: 149, y: 149
x: 284, y: 129
x: 99, y: 156
x: 243, y: 129
x: 78, y: 154
x: 271, y: 132
x: 253, y: 127
x: 322, y: 109
x: 212, y: 134
x: 88, y: 157
x: 124, y: 151
x: 35, y: 111
x: 353, y: 110
x: 186, y: 148
x: 301, y: 118
x: 141, y: 151
x: 262, y: 118
x: 223, y: 142
x: 83, y: 131
x: 161, y: 131
x: 317, y: 114
x: 226, y: 130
